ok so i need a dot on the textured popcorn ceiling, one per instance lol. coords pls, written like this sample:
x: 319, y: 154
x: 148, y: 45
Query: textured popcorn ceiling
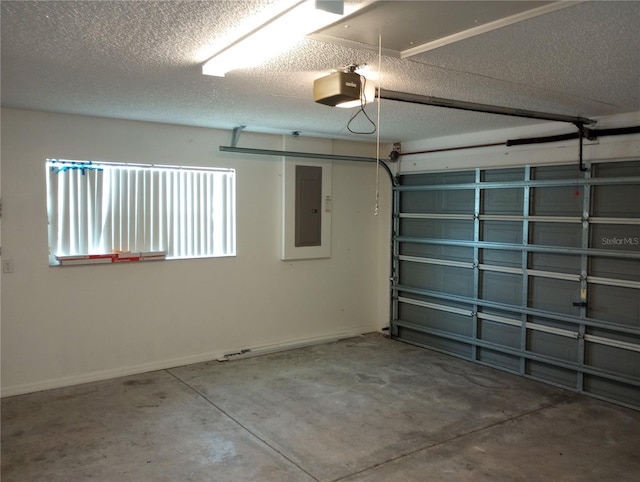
x: 142, y: 60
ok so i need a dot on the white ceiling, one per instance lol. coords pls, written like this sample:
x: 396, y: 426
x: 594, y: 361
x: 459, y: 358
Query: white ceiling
x: 142, y: 60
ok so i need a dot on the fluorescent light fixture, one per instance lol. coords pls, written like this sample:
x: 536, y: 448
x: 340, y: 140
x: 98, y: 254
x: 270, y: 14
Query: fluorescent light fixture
x: 269, y: 39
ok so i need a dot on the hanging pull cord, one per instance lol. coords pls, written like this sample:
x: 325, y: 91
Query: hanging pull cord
x: 361, y: 110
x: 377, y: 206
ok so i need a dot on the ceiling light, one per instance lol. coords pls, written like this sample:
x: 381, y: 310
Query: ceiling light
x: 271, y: 38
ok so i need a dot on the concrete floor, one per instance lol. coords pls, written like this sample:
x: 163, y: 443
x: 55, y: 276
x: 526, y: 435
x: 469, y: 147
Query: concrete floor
x: 362, y: 409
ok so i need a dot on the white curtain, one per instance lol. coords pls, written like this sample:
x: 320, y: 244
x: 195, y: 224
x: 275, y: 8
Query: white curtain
x: 185, y: 212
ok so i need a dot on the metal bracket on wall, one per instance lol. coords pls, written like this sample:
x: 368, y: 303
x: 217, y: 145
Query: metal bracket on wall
x: 394, y: 155
x: 235, y: 136
x: 581, y: 133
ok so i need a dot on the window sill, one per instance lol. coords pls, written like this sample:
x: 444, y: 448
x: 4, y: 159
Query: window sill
x: 110, y: 258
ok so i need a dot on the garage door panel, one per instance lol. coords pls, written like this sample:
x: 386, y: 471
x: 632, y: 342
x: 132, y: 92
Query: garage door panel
x: 612, y: 268
x: 503, y: 201
x: 437, y: 229
x: 615, y: 237
x: 612, y: 390
x: 616, y: 169
x: 446, y: 345
x: 556, y: 201
x: 550, y: 286
x: 438, y: 178
x: 556, y: 234
x: 554, y: 295
x: 499, y: 333
x: 446, y: 279
x: 505, y: 316
x: 501, y: 232
x: 436, y: 319
x: 552, y: 345
x: 558, y: 263
x: 501, y: 257
x: 613, y: 359
x: 615, y: 304
x: 427, y: 299
x: 437, y: 202
x: 498, y: 359
x: 616, y: 201
x: 552, y: 374
x: 501, y: 287
x: 542, y: 323
x: 503, y: 175
x: 614, y: 336
x: 550, y: 173
x: 436, y: 251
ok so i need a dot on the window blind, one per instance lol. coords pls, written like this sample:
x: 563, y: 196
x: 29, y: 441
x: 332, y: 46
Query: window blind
x: 96, y: 208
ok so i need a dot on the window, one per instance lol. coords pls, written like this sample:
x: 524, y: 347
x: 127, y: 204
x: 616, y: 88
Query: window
x: 106, y: 208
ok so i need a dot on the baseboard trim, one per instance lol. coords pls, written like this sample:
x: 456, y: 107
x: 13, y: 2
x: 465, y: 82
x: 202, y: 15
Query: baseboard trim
x: 223, y: 355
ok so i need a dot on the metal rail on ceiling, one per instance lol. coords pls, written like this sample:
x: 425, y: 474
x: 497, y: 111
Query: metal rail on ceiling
x: 476, y: 107
x: 579, y: 122
x: 307, y: 155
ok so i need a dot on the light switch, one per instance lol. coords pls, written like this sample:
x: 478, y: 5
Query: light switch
x: 7, y: 266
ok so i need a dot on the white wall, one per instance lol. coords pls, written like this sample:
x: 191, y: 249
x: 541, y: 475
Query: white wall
x: 66, y: 325
x: 605, y: 148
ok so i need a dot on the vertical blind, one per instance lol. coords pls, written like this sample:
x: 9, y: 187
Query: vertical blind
x: 98, y: 208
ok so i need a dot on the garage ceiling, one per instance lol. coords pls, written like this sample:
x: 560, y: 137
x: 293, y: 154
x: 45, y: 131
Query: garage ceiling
x: 142, y: 60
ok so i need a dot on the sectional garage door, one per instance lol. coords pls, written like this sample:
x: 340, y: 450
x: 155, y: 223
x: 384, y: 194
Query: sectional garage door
x: 534, y: 270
